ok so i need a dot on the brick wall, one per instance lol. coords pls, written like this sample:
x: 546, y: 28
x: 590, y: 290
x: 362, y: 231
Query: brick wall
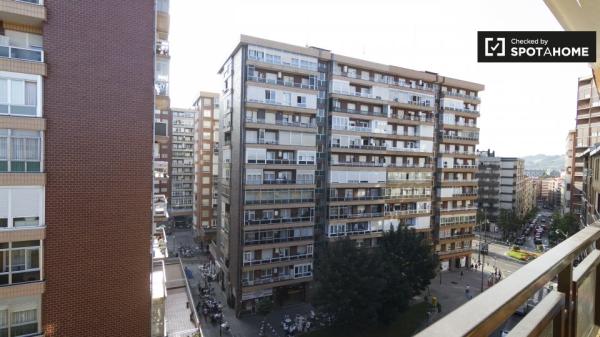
x: 98, y: 102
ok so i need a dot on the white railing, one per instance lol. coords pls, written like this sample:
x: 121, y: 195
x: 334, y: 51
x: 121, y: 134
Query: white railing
x: 27, y: 54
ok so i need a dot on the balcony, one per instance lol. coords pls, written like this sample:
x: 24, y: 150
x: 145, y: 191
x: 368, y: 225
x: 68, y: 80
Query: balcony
x: 458, y: 209
x: 281, y: 123
x: 360, y: 112
x: 24, y: 54
x: 385, y: 80
x: 459, y: 95
x: 278, y: 259
x: 360, y: 147
x: 247, y: 283
x: 277, y: 103
x: 278, y: 61
x: 271, y: 240
x: 412, y: 118
x: 356, y: 215
x: 453, y: 109
x: 408, y: 212
x: 269, y: 221
x: 280, y: 162
x: 162, y: 48
x: 569, y: 310
x: 355, y: 232
x: 280, y: 181
x: 160, y: 206
x: 281, y: 82
x: 460, y: 137
x: 161, y: 88
x: 353, y: 93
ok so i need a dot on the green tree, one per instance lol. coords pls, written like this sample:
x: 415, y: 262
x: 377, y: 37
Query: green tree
x: 409, y: 265
x: 363, y: 287
x: 348, y: 283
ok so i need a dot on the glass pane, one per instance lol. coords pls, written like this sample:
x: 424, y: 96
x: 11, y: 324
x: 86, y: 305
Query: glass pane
x: 17, y: 92
x: 3, y: 222
x: 33, y: 166
x: 3, y: 91
x: 17, y: 166
x: 22, y: 110
x: 3, y: 166
x: 30, y: 276
x: 24, y: 222
x: 31, y: 243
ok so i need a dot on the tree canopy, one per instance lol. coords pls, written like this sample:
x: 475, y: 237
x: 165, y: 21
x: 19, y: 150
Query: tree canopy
x: 364, y: 286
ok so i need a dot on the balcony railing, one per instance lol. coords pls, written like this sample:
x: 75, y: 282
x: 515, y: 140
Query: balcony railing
x: 162, y: 48
x: 27, y: 54
x: 275, y: 102
x: 457, y: 94
x: 264, y: 241
x: 465, y: 208
x: 34, y: 2
x: 469, y: 153
x: 352, y: 93
x: 279, y: 201
x: 280, y: 181
x: 449, y: 108
x: 312, y: 66
x: 360, y: 147
x: 355, y: 232
x: 281, y: 122
x: 569, y: 310
x: 356, y: 215
x: 161, y: 88
x: 277, y: 259
x: 458, y: 137
x: 456, y: 166
x: 412, y: 118
x: 278, y: 220
x: 281, y: 82
x: 408, y: 211
x: 280, y: 278
x: 280, y: 162
x: 360, y: 112
x: 386, y: 80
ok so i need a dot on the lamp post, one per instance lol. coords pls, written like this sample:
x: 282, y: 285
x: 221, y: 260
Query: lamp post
x: 481, y: 245
x: 441, y: 269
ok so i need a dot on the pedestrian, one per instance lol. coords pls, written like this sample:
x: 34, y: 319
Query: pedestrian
x: 461, y: 274
x: 467, y: 291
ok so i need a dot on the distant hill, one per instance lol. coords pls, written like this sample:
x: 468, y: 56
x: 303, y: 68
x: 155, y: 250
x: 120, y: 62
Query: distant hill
x: 544, y: 162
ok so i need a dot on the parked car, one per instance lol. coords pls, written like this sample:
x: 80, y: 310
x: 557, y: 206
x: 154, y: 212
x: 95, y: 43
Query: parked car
x: 520, y: 241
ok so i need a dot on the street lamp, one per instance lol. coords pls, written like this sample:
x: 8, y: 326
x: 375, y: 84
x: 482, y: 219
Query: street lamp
x: 485, y: 223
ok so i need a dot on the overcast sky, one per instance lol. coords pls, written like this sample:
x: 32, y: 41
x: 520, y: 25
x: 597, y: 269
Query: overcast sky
x: 526, y: 108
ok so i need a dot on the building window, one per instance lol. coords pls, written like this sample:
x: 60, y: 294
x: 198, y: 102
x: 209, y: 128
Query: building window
x: 18, y: 97
x: 19, y: 316
x: 21, y: 207
x: 20, y: 262
x: 20, y: 151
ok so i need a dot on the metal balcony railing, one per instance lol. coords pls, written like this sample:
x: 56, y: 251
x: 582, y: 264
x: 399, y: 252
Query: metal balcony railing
x: 278, y: 220
x: 457, y: 94
x: 573, y: 309
x: 281, y: 82
x: 449, y: 108
x: 281, y: 122
x: 277, y: 259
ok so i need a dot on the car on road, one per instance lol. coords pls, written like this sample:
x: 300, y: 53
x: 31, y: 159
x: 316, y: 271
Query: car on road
x: 537, y: 241
x: 520, y: 241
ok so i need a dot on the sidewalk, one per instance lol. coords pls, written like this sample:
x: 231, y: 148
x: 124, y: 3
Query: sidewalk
x: 451, y: 292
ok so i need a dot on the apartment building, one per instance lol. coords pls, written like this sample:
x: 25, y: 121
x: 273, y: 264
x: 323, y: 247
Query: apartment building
x: 206, y: 163
x: 488, y: 177
x: 163, y: 119
x: 182, y: 164
x: 568, y: 173
x: 75, y: 204
x: 503, y: 186
x: 319, y: 146
x: 587, y: 127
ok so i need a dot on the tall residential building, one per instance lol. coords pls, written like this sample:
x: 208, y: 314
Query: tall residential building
x: 76, y: 106
x: 568, y: 174
x: 318, y: 146
x: 206, y: 163
x: 182, y: 164
x: 587, y: 134
x: 162, y: 114
x: 503, y: 186
x: 488, y: 200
